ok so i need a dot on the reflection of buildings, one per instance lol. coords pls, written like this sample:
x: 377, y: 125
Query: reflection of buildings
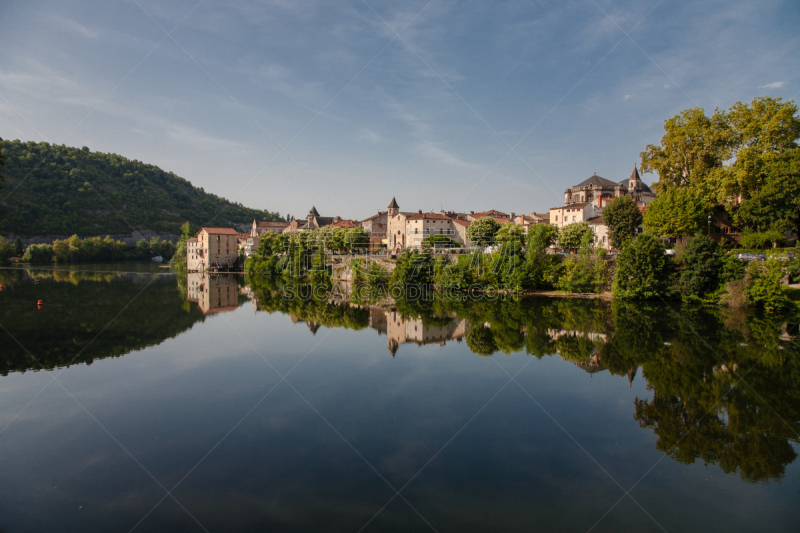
x: 214, y: 293
x: 400, y: 331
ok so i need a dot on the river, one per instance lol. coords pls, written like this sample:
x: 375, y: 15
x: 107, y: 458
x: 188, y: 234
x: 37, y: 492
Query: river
x: 137, y: 399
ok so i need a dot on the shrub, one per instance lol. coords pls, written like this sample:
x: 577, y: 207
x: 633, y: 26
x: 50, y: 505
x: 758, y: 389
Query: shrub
x: 732, y: 269
x: 643, y: 270
x: 38, y: 254
x: 700, y: 269
x: 763, y: 286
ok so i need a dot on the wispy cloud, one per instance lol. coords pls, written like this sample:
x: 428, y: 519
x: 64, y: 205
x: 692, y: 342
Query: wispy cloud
x: 447, y: 158
x: 773, y: 85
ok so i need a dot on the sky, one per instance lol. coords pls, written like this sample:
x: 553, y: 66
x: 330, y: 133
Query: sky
x: 464, y: 106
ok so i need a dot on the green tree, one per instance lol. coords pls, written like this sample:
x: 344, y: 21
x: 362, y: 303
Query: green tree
x: 18, y: 248
x: 541, y: 237
x: 622, y: 217
x: 573, y: 236
x: 439, y: 242
x: 700, y: 267
x: 482, y: 232
x: 763, y: 287
x: 692, y: 152
x: 775, y: 200
x: 642, y: 270
x: 675, y: 213
x: 744, y: 158
x: 510, y: 232
x: 6, y: 251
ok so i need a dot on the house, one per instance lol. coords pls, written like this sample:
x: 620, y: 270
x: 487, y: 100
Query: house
x: 213, y: 249
x: 600, y: 191
x: 572, y: 213
x: 531, y: 219
x: 600, y: 231
x: 499, y: 216
x: 376, y: 226
x: 348, y: 224
x: 260, y: 227
x: 408, y: 230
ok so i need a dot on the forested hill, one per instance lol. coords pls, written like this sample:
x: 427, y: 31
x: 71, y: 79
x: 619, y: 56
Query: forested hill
x: 66, y: 191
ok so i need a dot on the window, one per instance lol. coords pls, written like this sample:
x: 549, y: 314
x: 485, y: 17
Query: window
x: 573, y: 218
x: 604, y: 238
x: 556, y: 218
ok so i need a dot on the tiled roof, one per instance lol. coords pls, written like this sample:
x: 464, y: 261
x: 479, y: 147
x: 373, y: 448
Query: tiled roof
x: 461, y: 221
x: 596, y: 220
x: 597, y: 181
x: 272, y: 224
x: 493, y: 213
x: 394, y: 205
x: 432, y: 216
x: 346, y: 224
x: 218, y: 231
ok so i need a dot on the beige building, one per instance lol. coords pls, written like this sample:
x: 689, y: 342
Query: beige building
x: 213, y: 293
x: 600, y: 231
x: 260, y: 227
x: 407, y: 230
x: 213, y: 249
x: 570, y: 214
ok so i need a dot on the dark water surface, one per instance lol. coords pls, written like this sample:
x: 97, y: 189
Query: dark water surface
x: 134, y: 399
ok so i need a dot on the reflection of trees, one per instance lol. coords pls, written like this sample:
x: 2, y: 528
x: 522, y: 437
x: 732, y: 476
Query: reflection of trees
x: 689, y: 357
x: 480, y: 340
x: 309, y: 304
x: 80, y: 305
x: 701, y: 409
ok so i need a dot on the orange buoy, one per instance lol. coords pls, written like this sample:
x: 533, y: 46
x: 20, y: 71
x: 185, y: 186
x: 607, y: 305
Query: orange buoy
x: 39, y: 304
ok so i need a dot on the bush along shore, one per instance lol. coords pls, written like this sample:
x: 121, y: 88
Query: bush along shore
x: 701, y: 272
x: 90, y: 249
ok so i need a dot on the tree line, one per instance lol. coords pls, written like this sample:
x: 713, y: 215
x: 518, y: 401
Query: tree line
x: 96, y: 249
x: 61, y: 190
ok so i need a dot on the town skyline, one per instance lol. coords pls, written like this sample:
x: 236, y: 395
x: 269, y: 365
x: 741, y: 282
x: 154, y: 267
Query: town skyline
x: 284, y: 106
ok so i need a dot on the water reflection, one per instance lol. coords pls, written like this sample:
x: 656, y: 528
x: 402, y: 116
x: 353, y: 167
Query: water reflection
x: 725, y: 386
x: 214, y: 293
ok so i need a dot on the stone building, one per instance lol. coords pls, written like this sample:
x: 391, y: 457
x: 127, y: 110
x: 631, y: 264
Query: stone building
x: 313, y: 221
x: 213, y: 249
x: 260, y: 227
x: 377, y: 227
x: 600, y: 191
x: 572, y: 213
x: 407, y: 230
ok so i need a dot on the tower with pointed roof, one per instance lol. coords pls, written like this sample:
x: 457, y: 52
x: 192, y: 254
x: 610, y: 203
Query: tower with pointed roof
x: 393, y: 207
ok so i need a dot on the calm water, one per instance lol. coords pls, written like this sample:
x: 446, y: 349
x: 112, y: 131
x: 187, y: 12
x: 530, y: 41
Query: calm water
x: 175, y: 404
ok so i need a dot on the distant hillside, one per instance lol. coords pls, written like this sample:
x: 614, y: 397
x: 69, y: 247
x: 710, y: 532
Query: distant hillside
x: 75, y: 191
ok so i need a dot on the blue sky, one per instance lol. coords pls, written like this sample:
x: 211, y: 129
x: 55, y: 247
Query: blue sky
x: 343, y: 105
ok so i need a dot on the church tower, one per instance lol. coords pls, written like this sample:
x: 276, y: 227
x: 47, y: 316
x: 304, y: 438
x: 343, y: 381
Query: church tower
x: 393, y: 208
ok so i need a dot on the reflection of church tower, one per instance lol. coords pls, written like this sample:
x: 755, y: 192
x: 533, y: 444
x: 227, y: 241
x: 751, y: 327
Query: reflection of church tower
x: 313, y: 326
x: 393, y: 346
x: 393, y: 208
x: 631, y: 375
